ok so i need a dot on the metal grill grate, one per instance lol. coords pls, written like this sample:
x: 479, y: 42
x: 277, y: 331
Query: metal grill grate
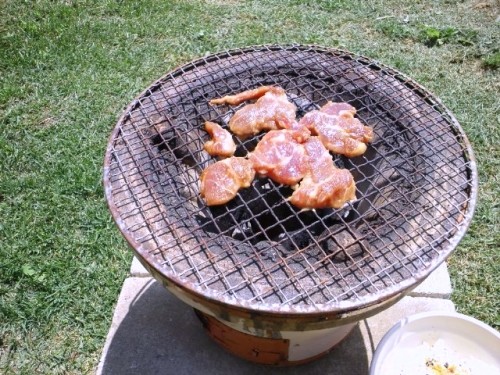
x: 416, y: 186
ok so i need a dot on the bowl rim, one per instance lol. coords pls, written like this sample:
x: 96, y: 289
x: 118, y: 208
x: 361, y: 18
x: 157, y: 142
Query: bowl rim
x: 423, y: 316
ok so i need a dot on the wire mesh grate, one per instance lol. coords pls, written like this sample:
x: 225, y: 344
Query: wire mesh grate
x: 415, y: 185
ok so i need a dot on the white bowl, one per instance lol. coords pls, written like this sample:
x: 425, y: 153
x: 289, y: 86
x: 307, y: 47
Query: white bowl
x: 438, y: 342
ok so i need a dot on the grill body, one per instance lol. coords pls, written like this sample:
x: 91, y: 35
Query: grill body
x: 258, y: 265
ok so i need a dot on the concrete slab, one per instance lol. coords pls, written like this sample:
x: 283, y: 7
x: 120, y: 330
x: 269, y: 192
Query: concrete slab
x: 436, y: 285
x: 153, y: 332
x: 137, y: 269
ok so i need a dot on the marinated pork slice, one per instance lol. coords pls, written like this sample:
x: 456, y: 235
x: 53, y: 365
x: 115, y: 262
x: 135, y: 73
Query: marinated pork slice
x: 338, y: 129
x: 221, y: 181
x: 338, y: 108
x: 222, y: 143
x: 325, y: 185
x: 271, y: 111
x: 281, y: 156
x: 243, y: 96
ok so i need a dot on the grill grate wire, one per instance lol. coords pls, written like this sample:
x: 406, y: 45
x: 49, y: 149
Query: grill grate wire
x: 416, y: 185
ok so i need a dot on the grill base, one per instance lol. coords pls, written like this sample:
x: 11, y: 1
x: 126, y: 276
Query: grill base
x: 286, y: 348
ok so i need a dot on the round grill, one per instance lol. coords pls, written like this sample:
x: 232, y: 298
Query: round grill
x: 416, y: 187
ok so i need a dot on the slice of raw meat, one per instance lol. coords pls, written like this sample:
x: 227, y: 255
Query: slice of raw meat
x: 338, y: 129
x: 325, y: 185
x: 281, y: 156
x: 222, y: 143
x: 221, y: 181
x: 271, y: 111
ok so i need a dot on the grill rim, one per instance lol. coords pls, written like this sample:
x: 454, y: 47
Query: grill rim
x: 310, y: 310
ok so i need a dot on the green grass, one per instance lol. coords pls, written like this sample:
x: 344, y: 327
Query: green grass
x: 492, y: 61
x: 67, y: 69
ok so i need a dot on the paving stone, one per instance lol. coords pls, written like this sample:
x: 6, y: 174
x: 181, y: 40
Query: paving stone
x: 153, y: 332
x: 436, y: 285
x: 137, y: 269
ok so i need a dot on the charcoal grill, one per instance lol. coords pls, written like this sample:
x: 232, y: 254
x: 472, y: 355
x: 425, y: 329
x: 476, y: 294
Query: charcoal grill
x: 272, y: 283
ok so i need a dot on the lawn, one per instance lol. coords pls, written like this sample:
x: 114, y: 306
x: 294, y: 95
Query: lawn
x: 67, y: 70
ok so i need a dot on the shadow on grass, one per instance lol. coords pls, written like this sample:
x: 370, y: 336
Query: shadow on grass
x: 162, y: 335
